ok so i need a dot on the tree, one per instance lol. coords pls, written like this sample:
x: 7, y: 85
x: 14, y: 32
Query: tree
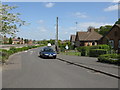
x: 10, y: 40
x: 10, y: 22
x: 26, y: 41
x: 118, y: 22
x: 104, y: 29
x: 18, y: 38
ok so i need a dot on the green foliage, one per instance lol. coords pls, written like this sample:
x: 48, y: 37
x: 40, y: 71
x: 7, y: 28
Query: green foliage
x: 118, y: 22
x: 97, y: 52
x: 72, y: 53
x: 104, y: 46
x: 26, y: 41
x: 110, y: 58
x: 10, y: 21
x: 103, y: 30
x: 93, y: 51
x: 10, y: 40
x: 84, y: 50
x: 6, y: 53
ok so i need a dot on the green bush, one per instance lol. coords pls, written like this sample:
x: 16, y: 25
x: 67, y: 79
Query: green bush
x: 13, y: 49
x: 4, y: 54
x: 84, y: 50
x: 104, y: 46
x: 97, y: 52
x: 93, y: 51
x: 110, y: 58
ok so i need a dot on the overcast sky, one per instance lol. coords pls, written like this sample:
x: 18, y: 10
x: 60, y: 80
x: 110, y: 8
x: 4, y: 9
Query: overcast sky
x: 42, y: 17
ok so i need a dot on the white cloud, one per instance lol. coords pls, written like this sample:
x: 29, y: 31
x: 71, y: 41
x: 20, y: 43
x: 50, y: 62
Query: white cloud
x: 80, y: 15
x: 49, y: 5
x: 42, y: 29
x: 112, y: 8
x: 41, y: 21
x: 85, y: 25
x: 116, y: 1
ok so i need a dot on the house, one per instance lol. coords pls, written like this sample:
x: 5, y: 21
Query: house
x: 112, y: 38
x: 72, y: 39
x: 30, y: 42
x: 89, y: 38
x: 17, y: 41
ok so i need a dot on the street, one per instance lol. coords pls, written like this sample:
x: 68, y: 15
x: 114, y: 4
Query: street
x: 27, y: 70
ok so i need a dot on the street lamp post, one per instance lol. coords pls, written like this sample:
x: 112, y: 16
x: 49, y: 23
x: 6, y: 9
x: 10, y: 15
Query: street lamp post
x: 56, y: 42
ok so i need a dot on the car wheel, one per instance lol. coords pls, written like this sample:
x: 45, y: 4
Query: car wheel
x: 54, y: 57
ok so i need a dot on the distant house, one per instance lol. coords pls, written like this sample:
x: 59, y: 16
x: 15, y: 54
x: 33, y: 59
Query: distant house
x: 89, y: 38
x: 72, y: 39
x: 17, y: 41
x: 30, y: 42
x: 112, y: 38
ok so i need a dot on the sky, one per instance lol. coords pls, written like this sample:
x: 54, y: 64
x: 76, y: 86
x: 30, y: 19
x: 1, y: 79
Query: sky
x: 42, y: 17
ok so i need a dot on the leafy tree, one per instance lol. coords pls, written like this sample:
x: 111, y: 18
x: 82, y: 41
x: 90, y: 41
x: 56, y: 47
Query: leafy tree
x: 10, y: 22
x: 26, y: 40
x: 18, y: 38
x: 118, y: 22
x: 10, y: 40
x: 104, y: 29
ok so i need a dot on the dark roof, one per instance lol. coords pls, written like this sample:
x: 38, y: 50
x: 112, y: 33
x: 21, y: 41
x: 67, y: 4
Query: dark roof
x: 88, y: 36
x: 72, y: 38
x: 118, y: 25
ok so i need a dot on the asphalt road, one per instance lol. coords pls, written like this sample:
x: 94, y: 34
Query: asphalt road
x: 27, y: 70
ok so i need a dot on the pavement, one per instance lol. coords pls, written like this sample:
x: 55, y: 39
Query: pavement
x: 92, y: 62
x: 27, y: 70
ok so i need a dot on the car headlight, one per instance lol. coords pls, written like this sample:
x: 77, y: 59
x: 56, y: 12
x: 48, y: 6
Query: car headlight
x: 54, y: 54
x: 46, y: 54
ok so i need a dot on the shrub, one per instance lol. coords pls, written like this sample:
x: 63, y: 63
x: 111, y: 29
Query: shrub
x: 4, y: 54
x: 84, y: 50
x: 97, y: 52
x: 94, y: 51
x: 104, y: 46
x: 110, y: 58
x: 13, y: 49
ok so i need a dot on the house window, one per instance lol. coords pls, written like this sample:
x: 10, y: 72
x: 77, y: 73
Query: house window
x: 119, y: 44
x: 111, y: 42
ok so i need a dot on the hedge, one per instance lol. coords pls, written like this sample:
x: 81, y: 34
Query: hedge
x: 97, y: 52
x: 84, y: 50
x: 104, y: 46
x: 110, y: 58
x: 4, y: 54
x: 94, y: 51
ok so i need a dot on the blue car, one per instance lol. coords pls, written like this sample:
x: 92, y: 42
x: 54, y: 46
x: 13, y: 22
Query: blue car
x: 47, y: 52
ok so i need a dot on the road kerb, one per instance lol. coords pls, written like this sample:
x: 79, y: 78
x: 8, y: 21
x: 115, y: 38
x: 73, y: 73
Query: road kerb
x: 90, y: 68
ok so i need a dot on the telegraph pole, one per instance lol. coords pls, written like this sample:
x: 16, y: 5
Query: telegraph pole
x: 56, y: 42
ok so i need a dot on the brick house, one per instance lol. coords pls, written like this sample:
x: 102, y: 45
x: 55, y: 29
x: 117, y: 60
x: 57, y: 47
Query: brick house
x: 17, y: 41
x: 30, y: 42
x: 89, y: 38
x: 112, y: 38
x: 72, y: 39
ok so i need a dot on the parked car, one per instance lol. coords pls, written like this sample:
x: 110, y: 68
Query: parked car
x: 47, y: 52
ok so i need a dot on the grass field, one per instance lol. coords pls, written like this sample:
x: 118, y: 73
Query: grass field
x: 71, y: 53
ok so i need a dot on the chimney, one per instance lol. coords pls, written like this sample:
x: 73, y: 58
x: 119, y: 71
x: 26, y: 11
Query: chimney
x: 91, y: 30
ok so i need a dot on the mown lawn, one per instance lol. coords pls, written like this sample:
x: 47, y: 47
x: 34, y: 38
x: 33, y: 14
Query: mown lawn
x: 71, y: 53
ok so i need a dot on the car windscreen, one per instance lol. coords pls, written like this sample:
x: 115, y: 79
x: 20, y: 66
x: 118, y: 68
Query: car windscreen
x: 48, y: 50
